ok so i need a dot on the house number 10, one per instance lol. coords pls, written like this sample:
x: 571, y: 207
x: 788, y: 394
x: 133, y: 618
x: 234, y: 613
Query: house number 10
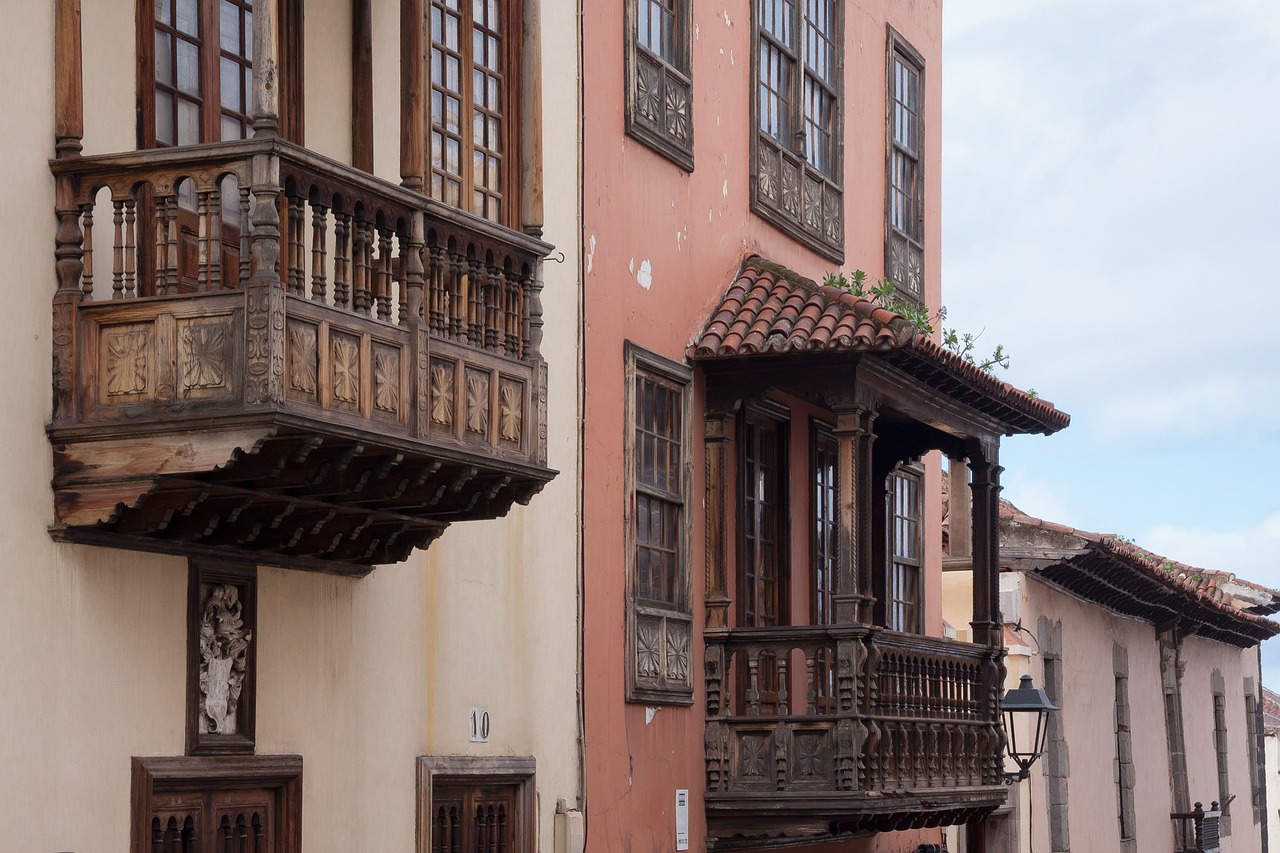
x: 479, y: 725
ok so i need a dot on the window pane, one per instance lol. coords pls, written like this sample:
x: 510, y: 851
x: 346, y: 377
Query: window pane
x: 164, y: 58
x: 188, y: 20
x: 230, y: 80
x: 229, y: 27
x: 188, y: 67
x: 164, y: 119
x: 188, y: 122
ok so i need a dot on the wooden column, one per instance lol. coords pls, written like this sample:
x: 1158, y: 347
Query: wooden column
x: 413, y: 122
x: 69, y: 263
x: 716, y: 444
x: 69, y: 73
x: 362, y: 85
x: 264, y: 292
x: 960, y: 511
x: 986, y: 544
x: 854, y: 439
x: 531, y: 213
x: 266, y: 72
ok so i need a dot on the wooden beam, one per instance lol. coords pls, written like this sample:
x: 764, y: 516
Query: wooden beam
x: 413, y: 117
x: 362, y: 85
x: 69, y: 88
x: 531, y: 213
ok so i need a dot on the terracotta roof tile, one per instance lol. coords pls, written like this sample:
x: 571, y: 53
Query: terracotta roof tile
x: 769, y: 309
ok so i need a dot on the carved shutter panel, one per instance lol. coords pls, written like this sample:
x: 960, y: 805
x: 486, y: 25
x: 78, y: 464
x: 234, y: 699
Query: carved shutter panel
x: 236, y: 821
x: 474, y: 819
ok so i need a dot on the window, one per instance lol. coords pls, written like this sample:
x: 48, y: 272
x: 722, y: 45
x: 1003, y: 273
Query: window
x: 1256, y: 750
x: 474, y: 141
x: 763, y: 556
x: 903, y: 611
x: 659, y: 88
x: 796, y: 151
x: 825, y: 525
x: 1220, y: 749
x: 904, y: 190
x: 240, y: 804
x: 1124, y: 772
x: 469, y: 804
x: 660, y: 614
x: 1056, y: 759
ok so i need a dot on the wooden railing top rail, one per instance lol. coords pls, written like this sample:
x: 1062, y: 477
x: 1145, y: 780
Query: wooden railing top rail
x: 784, y: 633
x: 206, y: 155
x: 920, y: 643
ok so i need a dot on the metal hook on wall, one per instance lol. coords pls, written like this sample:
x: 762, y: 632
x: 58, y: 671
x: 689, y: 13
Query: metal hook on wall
x: 558, y: 260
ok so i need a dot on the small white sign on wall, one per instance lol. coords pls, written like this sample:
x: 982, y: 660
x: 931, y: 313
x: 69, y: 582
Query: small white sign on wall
x: 682, y: 818
x: 478, y: 725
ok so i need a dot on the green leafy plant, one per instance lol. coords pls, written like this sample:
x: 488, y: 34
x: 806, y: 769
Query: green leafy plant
x: 884, y: 294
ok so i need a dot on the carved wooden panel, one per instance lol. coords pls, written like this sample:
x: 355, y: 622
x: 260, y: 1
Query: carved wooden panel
x: 221, y: 657
x: 388, y: 382
x: 659, y: 113
x: 478, y: 403
x: 906, y: 265
x: 661, y: 647
x: 753, y: 759
x: 207, y: 357
x: 511, y: 412
x: 344, y: 376
x: 303, y: 360
x: 797, y: 198
x: 442, y: 403
x: 127, y: 362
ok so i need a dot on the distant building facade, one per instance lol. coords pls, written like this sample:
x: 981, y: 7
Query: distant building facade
x: 1154, y: 668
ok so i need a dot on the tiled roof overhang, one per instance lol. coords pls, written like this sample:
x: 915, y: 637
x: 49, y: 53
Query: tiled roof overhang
x: 771, y: 310
x: 1129, y: 580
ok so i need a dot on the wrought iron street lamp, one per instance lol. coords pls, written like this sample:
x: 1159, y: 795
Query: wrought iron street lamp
x: 1024, y: 701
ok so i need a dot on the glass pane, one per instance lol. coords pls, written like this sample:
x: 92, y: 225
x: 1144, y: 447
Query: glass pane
x: 188, y: 17
x: 188, y: 122
x: 230, y: 78
x: 229, y: 27
x: 248, y: 35
x: 453, y: 115
x: 188, y: 67
x: 231, y: 129
x: 164, y: 58
x: 231, y: 200
x: 478, y: 87
x: 163, y: 12
x: 164, y: 118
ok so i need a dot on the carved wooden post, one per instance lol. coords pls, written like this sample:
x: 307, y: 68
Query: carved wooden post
x: 70, y: 265
x: 69, y: 70
x: 265, y: 297
x: 419, y: 339
x: 715, y: 440
x: 531, y: 214
x: 266, y: 73
x: 986, y: 545
x: 413, y: 129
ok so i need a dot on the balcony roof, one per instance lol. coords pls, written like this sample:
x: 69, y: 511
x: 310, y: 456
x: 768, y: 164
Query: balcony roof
x: 1133, y: 581
x: 771, y: 310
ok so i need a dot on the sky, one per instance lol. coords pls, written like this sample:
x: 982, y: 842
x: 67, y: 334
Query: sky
x: 1111, y: 215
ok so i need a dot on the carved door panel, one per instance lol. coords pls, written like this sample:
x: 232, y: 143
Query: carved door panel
x: 474, y: 819
x: 225, y: 821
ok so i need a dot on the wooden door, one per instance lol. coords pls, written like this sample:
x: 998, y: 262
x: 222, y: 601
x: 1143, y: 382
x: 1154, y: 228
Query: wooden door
x: 474, y: 819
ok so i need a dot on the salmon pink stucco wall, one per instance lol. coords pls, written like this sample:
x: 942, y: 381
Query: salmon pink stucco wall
x: 659, y: 245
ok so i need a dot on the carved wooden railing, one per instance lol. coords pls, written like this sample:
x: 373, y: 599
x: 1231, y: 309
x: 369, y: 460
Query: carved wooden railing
x: 847, y: 708
x: 256, y: 282
x: 1197, y: 831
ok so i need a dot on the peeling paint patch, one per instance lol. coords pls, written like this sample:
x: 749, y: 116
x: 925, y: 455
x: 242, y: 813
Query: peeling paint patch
x: 591, y: 252
x: 731, y: 60
x: 708, y: 214
x: 727, y: 21
x: 725, y: 189
x: 649, y: 713
x: 631, y: 266
x: 645, y: 274
x: 697, y: 33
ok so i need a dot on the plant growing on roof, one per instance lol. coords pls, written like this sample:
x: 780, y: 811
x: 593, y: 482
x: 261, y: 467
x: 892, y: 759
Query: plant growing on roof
x: 884, y: 294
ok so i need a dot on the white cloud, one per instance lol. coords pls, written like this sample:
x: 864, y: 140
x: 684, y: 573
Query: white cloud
x: 1251, y: 552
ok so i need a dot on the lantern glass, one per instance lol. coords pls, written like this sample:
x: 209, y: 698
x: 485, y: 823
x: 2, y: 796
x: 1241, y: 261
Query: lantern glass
x: 1026, y: 702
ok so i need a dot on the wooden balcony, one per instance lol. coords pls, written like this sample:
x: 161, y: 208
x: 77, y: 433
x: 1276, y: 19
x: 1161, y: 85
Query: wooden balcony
x: 816, y: 731
x: 262, y: 353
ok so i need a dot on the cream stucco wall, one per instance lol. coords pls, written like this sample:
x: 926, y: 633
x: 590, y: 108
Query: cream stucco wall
x: 358, y: 676
x: 1089, y: 635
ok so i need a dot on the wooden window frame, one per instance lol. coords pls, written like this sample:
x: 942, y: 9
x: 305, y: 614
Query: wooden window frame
x: 820, y: 434
x: 519, y: 771
x: 1256, y: 750
x: 904, y: 252
x: 513, y: 161
x: 155, y: 777
x: 786, y: 191
x: 674, y: 621
x: 290, y: 61
x: 915, y: 474
x: 244, y: 577
x: 659, y: 92
x: 1125, y: 766
x: 1222, y: 750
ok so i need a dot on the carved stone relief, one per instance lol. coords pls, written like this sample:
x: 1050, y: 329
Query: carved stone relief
x: 224, y: 643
